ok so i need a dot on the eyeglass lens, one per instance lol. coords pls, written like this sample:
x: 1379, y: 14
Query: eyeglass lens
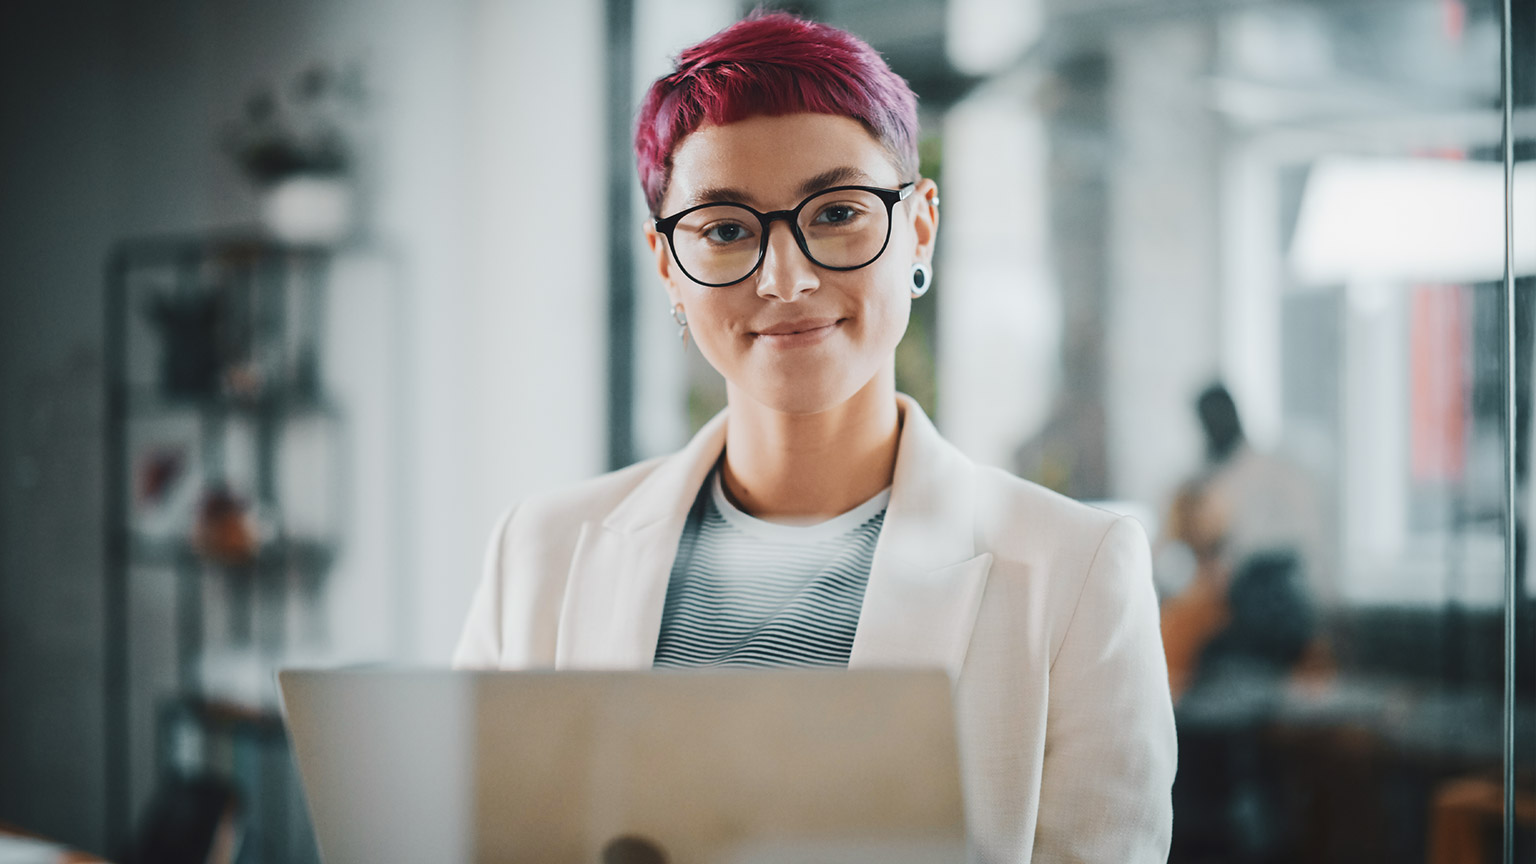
x: 842, y: 228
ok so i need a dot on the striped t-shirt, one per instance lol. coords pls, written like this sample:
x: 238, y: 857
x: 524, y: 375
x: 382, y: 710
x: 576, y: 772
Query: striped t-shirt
x: 745, y: 592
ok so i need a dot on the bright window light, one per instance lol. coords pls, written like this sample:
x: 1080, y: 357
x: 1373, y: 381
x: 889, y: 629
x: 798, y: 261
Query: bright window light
x: 1411, y: 221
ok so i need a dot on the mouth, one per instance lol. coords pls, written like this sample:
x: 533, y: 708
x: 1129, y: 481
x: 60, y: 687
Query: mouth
x: 804, y: 325
x: 798, y: 333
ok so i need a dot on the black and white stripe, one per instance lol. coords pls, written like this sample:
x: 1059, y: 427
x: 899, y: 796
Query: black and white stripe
x: 745, y: 592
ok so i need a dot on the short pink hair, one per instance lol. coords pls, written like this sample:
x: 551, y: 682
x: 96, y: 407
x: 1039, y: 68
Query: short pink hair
x: 770, y: 64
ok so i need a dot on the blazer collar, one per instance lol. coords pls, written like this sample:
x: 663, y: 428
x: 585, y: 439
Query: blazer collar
x: 925, y: 581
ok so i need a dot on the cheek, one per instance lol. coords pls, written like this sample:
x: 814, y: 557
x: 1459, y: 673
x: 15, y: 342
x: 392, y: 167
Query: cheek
x: 712, y: 318
x: 898, y: 313
x: 887, y: 305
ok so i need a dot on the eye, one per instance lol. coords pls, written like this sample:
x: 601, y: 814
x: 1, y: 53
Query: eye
x: 725, y: 233
x: 837, y: 214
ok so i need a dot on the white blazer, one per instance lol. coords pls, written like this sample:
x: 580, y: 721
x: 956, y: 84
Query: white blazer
x: 1041, y: 609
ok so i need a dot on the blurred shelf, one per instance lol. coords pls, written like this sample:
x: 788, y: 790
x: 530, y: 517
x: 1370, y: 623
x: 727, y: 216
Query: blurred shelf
x: 145, y: 402
x: 218, y: 314
x: 229, y: 717
x: 233, y: 245
x: 311, y: 555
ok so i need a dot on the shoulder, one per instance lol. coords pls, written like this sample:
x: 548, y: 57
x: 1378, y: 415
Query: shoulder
x: 567, y: 507
x: 1018, y: 520
x: 539, y: 532
x: 1058, y: 556
x: 513, y: 619
x: 1071, y: 566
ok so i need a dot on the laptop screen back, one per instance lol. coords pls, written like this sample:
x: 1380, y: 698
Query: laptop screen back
x: 745, y: 767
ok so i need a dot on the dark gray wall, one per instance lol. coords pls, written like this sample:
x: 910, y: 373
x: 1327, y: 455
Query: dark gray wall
x: 101, y: 136
x: 58, y: 212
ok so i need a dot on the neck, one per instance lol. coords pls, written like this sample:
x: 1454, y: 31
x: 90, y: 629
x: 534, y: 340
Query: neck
x: 797, y: 467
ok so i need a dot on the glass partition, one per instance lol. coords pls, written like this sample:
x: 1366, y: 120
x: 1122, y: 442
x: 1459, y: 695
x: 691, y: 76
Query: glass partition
x: 1519, y: 155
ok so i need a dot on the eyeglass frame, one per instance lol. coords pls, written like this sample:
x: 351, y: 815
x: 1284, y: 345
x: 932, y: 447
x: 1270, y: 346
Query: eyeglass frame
x: 666, y: 225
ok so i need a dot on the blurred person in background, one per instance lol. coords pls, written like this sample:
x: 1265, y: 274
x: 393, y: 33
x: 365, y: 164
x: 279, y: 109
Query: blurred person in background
x: 1244, y: 530
x: 1270, y: 503
x: 1198, y: 611
x: 1249, y: 618
x: 820, y: 519
x: 1235, y: 632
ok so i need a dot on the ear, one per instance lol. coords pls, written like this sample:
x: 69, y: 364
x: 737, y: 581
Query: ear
x: 924, y: 206
x: 663, y: 257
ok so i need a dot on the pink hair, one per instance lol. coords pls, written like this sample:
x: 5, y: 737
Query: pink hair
x: 771, y: 64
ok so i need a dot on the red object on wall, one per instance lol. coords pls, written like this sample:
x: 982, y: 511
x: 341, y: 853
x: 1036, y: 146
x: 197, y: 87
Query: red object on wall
x: 1453, y: 20
x: 1437, y: 349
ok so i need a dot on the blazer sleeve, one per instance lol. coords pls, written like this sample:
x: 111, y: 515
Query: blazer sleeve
x: 480, y: 641
x: 1110, y: 750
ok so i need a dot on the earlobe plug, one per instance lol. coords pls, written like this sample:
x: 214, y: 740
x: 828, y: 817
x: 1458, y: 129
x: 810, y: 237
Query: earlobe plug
x: 922, y: 279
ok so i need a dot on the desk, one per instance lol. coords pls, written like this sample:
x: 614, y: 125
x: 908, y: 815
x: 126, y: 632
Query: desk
x: 1456, y: 725
x: 1341, y: 771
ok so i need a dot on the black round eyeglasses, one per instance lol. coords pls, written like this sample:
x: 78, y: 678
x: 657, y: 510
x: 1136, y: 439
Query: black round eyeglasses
x: 840, y: 228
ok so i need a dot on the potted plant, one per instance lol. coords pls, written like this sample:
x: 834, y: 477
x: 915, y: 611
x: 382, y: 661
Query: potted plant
x: 295, y: 152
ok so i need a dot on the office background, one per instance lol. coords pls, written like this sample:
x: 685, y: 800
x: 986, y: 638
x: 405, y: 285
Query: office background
x: 1303, y: 202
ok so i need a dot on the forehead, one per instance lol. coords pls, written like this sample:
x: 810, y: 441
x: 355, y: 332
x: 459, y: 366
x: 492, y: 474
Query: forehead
x: 768, y: 159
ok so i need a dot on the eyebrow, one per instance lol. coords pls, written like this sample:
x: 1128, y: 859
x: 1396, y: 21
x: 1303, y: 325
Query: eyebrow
x: 843, y: 176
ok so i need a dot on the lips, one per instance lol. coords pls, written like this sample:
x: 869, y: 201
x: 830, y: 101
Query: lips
x: 794, y: 335
x: 801, y: 326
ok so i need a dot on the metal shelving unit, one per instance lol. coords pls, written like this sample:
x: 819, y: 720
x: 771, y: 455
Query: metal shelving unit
x: 209, y: 538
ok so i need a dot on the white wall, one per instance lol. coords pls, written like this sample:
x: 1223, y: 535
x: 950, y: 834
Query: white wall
x: 1001, y: 313
x: 536, y: 317
x: 1164, y: 302
x: 662, y: 29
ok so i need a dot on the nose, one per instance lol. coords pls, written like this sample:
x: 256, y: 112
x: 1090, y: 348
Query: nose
x: 785, y: 273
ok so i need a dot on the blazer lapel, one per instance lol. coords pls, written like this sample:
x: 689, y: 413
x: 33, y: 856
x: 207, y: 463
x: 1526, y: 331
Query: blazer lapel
x: 926, y: 580
x: 617, y: 586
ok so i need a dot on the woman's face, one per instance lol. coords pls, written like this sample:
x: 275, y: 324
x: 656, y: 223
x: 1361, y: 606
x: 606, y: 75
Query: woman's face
x: 773, y: 163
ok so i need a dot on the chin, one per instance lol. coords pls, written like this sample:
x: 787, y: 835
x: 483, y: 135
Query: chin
x: 803, y: 395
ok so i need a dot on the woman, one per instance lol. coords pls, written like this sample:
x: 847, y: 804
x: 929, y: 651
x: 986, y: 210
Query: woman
x: 820, y: 519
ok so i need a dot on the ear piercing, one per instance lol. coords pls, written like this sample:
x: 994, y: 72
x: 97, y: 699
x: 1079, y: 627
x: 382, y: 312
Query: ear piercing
x: 681, y: 318
x: 922, y: 278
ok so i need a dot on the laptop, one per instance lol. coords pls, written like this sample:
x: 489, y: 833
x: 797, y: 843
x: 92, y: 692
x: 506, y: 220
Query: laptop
x: 683, y: 767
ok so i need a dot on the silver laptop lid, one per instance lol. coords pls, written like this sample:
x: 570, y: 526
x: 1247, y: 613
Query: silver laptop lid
x: 739, y: 767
